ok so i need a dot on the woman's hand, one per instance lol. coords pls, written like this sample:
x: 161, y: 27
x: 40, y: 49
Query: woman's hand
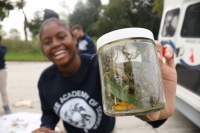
x: 169, y: 77
x: 45, y: 130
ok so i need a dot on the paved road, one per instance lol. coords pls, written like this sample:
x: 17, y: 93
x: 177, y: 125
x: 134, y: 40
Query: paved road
x: 22, y: 84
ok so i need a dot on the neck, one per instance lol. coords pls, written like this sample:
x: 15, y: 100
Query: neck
x: 82, y: 34
x: 70, y: 68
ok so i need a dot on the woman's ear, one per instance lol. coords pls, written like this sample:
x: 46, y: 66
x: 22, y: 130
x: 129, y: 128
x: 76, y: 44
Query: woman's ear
x: 42, y: 48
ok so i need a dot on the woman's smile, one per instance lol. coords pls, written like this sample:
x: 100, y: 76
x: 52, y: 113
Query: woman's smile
x: 60, y: 54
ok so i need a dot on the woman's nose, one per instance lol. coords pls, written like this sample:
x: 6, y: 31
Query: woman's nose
x: 55, y: 43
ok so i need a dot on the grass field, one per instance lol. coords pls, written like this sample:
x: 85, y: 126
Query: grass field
x: 11, y: 56
x: 23, y: 51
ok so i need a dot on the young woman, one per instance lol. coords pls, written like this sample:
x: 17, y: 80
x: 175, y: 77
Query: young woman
x: 70, y: 89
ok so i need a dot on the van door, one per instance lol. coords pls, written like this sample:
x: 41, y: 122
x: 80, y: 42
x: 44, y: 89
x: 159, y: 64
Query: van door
x: 189, y: 36
x: 188, y: 48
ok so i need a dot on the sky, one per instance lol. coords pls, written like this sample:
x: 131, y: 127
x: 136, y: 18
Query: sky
x: 16, y: 18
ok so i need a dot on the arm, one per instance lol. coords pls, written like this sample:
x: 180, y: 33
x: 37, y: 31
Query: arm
x: 49, y: 118
x: 91, y: 47
x: 169, y: 77
x: 45, y: 130
x: 3, y: 51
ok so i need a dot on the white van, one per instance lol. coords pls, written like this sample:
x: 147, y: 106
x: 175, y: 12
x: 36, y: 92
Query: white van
x: 180, y: 29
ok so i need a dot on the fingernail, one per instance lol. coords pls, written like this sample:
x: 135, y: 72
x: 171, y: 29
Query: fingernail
x: 148, y: 117
x: 167, y: 53
x: 163, y: 50
x: 158, y: 54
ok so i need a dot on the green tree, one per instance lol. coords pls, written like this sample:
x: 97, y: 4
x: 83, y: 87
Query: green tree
x: 116, y: 15
x: 5, y: 7
x: 20, y: 5
x: 14, y: 34
x: 85, y: 15
x: 94, y: 3
x: 2, y: 32
x: 158, y: 7
x: 63, y: 15
x: 35, y: 23
x: 112, y: 17
x: 144, y: 17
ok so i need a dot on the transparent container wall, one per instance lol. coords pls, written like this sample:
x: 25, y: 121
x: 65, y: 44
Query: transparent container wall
x: 131, y: 78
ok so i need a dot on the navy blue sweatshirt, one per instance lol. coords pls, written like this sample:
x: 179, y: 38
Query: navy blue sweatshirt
x: 76, y: 99
x: 86, y: 45
x: 3, y: 51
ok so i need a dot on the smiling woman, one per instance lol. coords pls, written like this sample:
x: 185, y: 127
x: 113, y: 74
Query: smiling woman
x: 58, y: 44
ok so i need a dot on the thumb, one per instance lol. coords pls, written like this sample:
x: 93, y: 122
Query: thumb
x: 153, y: 116
x: 56, y: 132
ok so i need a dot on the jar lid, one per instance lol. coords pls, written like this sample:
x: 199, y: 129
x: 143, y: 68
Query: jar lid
x: 123, y: 34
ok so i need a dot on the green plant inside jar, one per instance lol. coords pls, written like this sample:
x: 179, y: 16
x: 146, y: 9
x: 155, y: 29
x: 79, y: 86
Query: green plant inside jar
x: 125, y: 84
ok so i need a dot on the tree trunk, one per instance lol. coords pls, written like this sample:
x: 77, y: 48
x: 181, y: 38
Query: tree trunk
x: 25, y: 26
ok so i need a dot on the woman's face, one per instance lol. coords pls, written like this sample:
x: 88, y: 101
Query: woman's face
x: 77, y: 33
x: 58, y: 44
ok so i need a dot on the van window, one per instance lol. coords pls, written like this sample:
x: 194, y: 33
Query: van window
x: 170, y: 24
x: 188, y: 78
x: 191, y: 24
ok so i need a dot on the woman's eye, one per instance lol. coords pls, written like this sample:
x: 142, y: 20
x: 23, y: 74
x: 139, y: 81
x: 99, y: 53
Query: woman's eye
x: 61, y: 37
x: 46, y: 42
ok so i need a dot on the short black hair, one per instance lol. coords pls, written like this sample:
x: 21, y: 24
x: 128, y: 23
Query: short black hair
x: 76, y: 26
x: 57, y: 21
x: 48, y: 13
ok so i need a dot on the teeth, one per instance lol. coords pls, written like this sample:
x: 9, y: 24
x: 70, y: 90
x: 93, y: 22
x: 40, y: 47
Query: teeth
x: 59, y: 52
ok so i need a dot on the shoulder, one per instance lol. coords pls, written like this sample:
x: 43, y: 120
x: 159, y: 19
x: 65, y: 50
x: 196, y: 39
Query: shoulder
x: 90, y: 59
x: 2, y: 46
x: 3, y: 49
x: 49, y: 72
x: 87, y: 37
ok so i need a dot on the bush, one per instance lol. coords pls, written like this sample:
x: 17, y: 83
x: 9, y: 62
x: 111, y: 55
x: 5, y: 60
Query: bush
x: 23, y: 51
x: 22, y: 46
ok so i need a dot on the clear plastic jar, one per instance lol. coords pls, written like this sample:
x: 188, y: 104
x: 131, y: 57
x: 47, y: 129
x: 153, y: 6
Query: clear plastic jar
x: 130, y: 73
